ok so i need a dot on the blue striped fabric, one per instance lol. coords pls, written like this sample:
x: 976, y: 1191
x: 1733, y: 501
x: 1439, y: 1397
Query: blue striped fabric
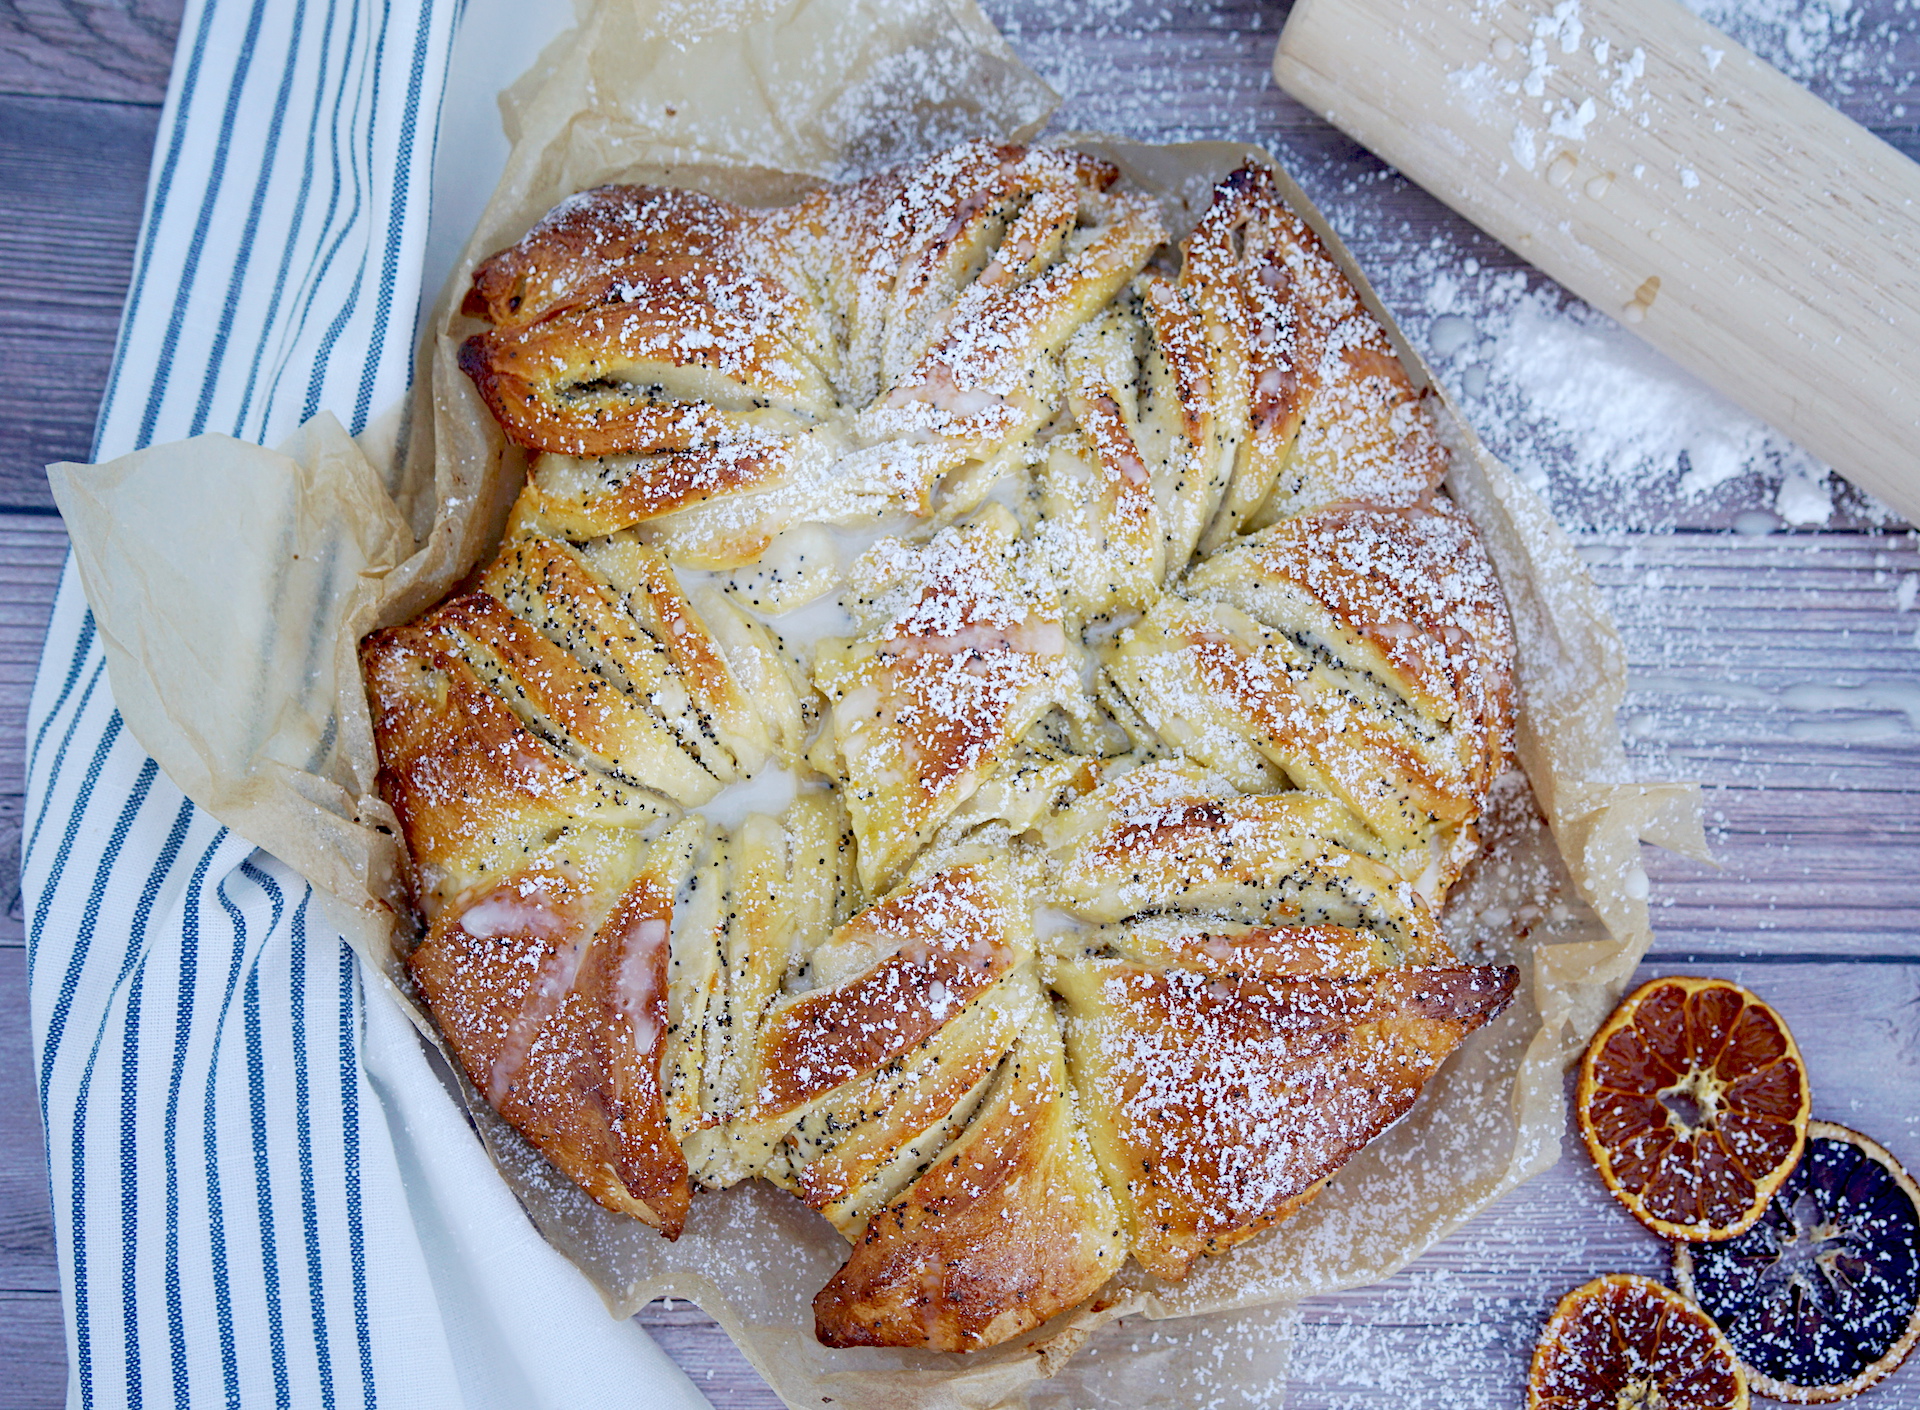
x: 244, y: 1152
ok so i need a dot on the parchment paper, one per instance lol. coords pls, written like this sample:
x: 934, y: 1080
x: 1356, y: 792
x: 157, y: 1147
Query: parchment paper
x: 231, y: 583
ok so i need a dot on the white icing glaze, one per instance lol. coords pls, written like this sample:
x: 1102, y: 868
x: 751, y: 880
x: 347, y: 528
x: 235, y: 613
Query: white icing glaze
x: 549, y: 991
x: 769, y: 791
x: 802, y: 629
x: 634, y: 986
x: 528, y: 912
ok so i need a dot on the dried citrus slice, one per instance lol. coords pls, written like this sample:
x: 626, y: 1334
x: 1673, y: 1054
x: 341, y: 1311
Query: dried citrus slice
x: 1821, y: 1298
x: 1624, y: 1342
x: 1693, y: 1100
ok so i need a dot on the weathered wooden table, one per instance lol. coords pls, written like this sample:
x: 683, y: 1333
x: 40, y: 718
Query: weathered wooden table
x: 1779, y: 666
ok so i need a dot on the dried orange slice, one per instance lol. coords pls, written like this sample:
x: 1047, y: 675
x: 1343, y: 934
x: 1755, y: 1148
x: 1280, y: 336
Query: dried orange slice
x: 1694, y: 1102
x: 1624, y: 1342
x: 1821, y: 1298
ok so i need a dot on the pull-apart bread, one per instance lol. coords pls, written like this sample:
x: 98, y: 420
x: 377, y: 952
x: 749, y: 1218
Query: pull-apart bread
x: 974, y: 721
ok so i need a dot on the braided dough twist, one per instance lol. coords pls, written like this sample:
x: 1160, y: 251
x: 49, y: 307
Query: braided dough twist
x: 1161, y: 692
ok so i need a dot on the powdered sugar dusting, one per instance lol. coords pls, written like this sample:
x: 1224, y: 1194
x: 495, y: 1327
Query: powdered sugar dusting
x: 1607, y: 429
x: 1836, y: 47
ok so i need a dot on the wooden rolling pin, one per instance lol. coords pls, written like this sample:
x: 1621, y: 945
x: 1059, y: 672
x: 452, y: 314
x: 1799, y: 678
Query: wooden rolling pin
x: 1665, y: 175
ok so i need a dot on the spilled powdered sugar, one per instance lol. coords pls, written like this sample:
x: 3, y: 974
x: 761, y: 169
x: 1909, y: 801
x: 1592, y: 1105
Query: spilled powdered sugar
x: 1832, y: 46
x: 1607, y: 429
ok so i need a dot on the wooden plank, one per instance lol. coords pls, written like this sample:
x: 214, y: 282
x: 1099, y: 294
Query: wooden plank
x: 700, y: 1347
x: 1783, y: 673
x: 27, y: 1262
x: 33, y: 1348
x: 1160, y: 73
x: 118, y: 51
x: 1781, y: 662
x: 75, y: 174
x: 79, y: 174
x: 13, y: 922
x: 1187, y: 84
x: 1796, y: 892
x: 32, y: 549
x: 32, y: 1335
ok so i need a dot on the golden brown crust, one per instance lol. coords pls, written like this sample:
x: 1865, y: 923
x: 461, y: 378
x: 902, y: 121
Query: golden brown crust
x: 1219, y: 855
x: 947, y: 940
x: 1270, y: 951
x: 1416, y: 583
x: 1173, y: 842
x: 880, y: 1064
x: 641, y: 630
x: 554, y: 1001
x: 1008, y: 1227
x: 627, y: 492
x: 1218, y: 1103
x: 643, y: 378
x: 1319, y: 408
x: 940, y: 692
x: 1364, y: 652
x: 698, y: 336
x: 833, y: 1179
x: 590, y: 242
x: 912, y: 235
x: 1237, y: 788
x: 1261, y: 283
x: 637, y: 321
x: 470, y: 784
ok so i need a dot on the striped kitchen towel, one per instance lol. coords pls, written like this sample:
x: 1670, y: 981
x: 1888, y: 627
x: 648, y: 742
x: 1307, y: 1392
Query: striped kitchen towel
x: 262, y: 1194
